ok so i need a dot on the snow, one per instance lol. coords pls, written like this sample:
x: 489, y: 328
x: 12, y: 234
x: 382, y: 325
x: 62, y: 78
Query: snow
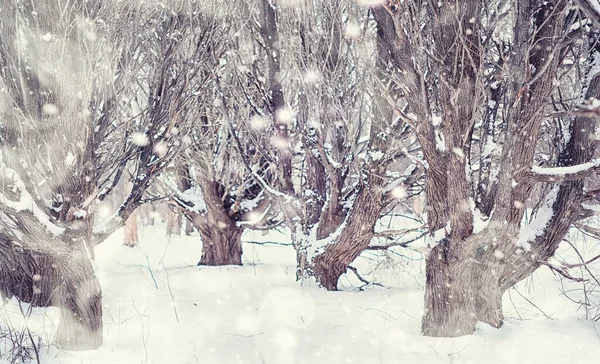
x: 436, y: 120
x: 159, y: 307
x: 376, y: 155
x: 285, y: 115
x: 565, y: 171
x: 536, y: 228
x: 26, y: 203
x: 70, y: 159
x: 352, y: 30
x: 50, y: 109
x: 140, y: 139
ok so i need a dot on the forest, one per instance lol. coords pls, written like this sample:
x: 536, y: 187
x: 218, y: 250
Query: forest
x: 299, y: 181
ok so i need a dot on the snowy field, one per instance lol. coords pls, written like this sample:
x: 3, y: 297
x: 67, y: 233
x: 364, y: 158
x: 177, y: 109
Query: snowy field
x: 159, y: 307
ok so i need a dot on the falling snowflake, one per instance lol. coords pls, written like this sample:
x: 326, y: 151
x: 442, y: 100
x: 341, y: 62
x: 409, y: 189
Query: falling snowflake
x: 161, y: 149
x: 140, y: 139
x: 399, y: 192
x: 50, y: 109
x: 352, y: 30
x: 285, y: 115
x: 257, y: 122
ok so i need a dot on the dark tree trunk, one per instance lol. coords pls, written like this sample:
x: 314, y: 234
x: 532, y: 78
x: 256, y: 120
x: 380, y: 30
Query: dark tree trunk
x: 355, y: 237
x: 221, y: 237
x: 221, y: 243
x: 62, y: 277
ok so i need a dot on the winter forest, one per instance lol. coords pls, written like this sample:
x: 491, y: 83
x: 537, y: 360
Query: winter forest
x: 299, y: 181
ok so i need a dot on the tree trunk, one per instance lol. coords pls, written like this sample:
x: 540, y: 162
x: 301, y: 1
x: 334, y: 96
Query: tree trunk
x: 354, y: 238
x: 460, y: 291
x: 131, y: 233
x: 80, y: 325
x: 189, y: 227
x: 61, y: 277
x: 221, y: 244
x: 221, y: 237
x: 173, y: 223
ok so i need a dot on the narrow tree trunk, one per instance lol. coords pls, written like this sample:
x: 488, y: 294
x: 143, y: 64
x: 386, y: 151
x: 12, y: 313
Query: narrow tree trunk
x: 354, y: 238
x: 149, y: 213
x: 173, y: 223
x: 189, y: 227
x: 131, y: 232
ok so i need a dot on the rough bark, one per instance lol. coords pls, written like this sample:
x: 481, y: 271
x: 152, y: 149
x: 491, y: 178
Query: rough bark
x: 467, y: 273
x: 462, y: 287
x: 276, y: 102
x: 221, y: 236
x: 356, y: 234
x: 63, y: 278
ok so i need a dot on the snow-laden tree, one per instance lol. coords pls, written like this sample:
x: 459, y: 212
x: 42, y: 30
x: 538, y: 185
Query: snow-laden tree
x: 70, y: 72
x: 492, y: 90
x: 209, y: 184
x: 322, y: 142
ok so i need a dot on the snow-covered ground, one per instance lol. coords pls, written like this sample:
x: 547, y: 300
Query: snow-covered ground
x: 159, y: 307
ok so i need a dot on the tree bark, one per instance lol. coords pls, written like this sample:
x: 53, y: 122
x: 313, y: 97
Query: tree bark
x: 462, y: 288
x: 355, y: 236
x: 221, y: 243
x: 62, y: 277
x: 220, y: 235
x: 189, y: 228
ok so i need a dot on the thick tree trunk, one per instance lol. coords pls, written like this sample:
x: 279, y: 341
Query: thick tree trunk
x: 80, y: 325
x: 221, y: 237
x: 221, y: 245
x: 460, y: 291
x: 354, y: 238
x: 61, y: 277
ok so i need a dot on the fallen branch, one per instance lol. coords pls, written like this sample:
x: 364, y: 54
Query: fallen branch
x: 360, y: 278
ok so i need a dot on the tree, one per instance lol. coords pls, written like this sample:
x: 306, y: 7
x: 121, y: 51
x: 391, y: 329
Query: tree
x: 69, y: 73
x: 208, y: 184
x: 323, y: 146
x: 479, y: 77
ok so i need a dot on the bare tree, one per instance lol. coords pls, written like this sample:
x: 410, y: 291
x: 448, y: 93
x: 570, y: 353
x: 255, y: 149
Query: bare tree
x: 69, y: 73
x: 326, y: 152
x: 488, y: 83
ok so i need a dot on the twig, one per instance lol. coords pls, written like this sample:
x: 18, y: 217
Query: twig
x: 360, y: 278
x: 562, y: 271
x: 267, y: 243
x: 533, y: 304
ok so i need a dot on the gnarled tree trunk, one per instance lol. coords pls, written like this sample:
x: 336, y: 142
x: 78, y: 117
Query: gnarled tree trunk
x: 463, y: 286
x: 220, y: 235
x: 61, y: 277
x: 355, y: 235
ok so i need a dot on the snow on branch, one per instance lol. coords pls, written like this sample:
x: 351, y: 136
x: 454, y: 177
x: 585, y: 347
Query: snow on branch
x: 591, y: 9
x: 557, y: 174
